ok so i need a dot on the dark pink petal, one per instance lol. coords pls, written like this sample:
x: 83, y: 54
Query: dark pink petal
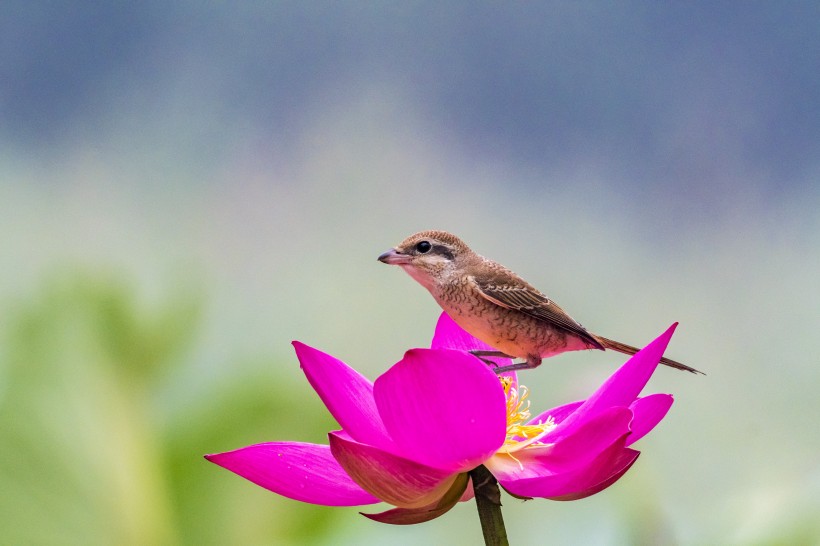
x: 442, y: 408
x: 347, y: 394
x: 450, y: 335
x: 393, y: 479
x: 622, y: 387
x: 628, y: 458
x: 410, y: 516
x: 469, y: 493
x: 648, y: 411
x: 303, y: 472
x: 574, y: 452
x: 583, y: 481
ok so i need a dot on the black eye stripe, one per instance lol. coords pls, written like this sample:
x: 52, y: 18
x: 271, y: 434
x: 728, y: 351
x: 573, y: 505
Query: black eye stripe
x: 444, y: 252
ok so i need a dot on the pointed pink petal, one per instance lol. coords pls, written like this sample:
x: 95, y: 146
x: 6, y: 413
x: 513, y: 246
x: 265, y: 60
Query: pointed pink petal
x: 574, y: 452
x: 648, y: 412
x: 450, y: 335
x: 410, y: 516
x: 347, y: 394
x: 602, y: 471
x: 391, y: 478
x: 303, y: 472
x: 442, y: 408
x: 622, y: 387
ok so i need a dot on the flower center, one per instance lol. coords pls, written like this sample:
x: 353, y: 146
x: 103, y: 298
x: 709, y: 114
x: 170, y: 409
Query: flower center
x: 519, y: 433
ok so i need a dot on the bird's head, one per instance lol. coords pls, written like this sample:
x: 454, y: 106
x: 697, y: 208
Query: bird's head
x: 429, y: 257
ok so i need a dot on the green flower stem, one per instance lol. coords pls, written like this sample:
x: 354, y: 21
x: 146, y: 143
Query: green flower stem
x: 488, y: 501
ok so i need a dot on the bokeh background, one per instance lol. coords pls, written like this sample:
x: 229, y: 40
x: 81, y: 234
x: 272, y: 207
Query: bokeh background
x: 185, y: 188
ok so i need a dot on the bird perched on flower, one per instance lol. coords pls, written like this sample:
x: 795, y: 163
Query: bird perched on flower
x: 494, y: 304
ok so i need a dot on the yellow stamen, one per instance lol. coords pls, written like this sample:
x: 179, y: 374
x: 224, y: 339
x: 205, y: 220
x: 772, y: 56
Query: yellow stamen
x: 520, y: 434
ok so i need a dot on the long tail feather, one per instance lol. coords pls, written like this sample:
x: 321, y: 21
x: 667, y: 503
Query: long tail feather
x: 630, y: 350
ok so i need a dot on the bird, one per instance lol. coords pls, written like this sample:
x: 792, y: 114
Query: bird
x: 494, y: 304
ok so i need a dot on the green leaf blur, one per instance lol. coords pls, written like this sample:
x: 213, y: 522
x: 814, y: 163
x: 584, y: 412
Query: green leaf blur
x: 93, y: 455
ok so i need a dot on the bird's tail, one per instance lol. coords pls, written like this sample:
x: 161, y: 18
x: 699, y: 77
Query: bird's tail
x: 630, y: 350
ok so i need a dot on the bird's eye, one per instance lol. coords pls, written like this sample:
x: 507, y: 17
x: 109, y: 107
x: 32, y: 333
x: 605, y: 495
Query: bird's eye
x: 423, y: 247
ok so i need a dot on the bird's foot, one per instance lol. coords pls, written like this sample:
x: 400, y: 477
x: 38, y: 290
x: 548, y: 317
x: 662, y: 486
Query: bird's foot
x: 530, y: 363
x: 487, y: 361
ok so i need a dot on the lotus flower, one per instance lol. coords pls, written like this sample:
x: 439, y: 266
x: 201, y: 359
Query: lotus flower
x: 411, y: 437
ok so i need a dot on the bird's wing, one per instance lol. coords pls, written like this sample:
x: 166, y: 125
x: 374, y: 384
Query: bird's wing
x: 528, y: 300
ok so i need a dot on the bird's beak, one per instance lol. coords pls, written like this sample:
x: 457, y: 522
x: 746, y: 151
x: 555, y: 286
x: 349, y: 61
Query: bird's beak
x: 394, y: 257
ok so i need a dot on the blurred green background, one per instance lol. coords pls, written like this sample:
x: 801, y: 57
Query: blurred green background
x: 186, y: 188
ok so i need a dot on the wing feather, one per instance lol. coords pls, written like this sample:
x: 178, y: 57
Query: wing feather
x: 531, y: 302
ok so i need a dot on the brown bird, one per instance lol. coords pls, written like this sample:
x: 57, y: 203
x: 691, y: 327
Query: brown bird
x: 494, y: 304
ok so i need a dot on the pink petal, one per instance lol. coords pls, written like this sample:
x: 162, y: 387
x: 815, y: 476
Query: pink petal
x: 583, y: 481
x: 557, y: 414
x: 409, y: 516
x: 442, y: 408
x: 574, y: 452
x: 648, y: 412
x: 592, y: 437
x: 347, y: 394
x: 622, y: 387
x: 391, y: 478
x: 450, y: 335
x: 303, y: 472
